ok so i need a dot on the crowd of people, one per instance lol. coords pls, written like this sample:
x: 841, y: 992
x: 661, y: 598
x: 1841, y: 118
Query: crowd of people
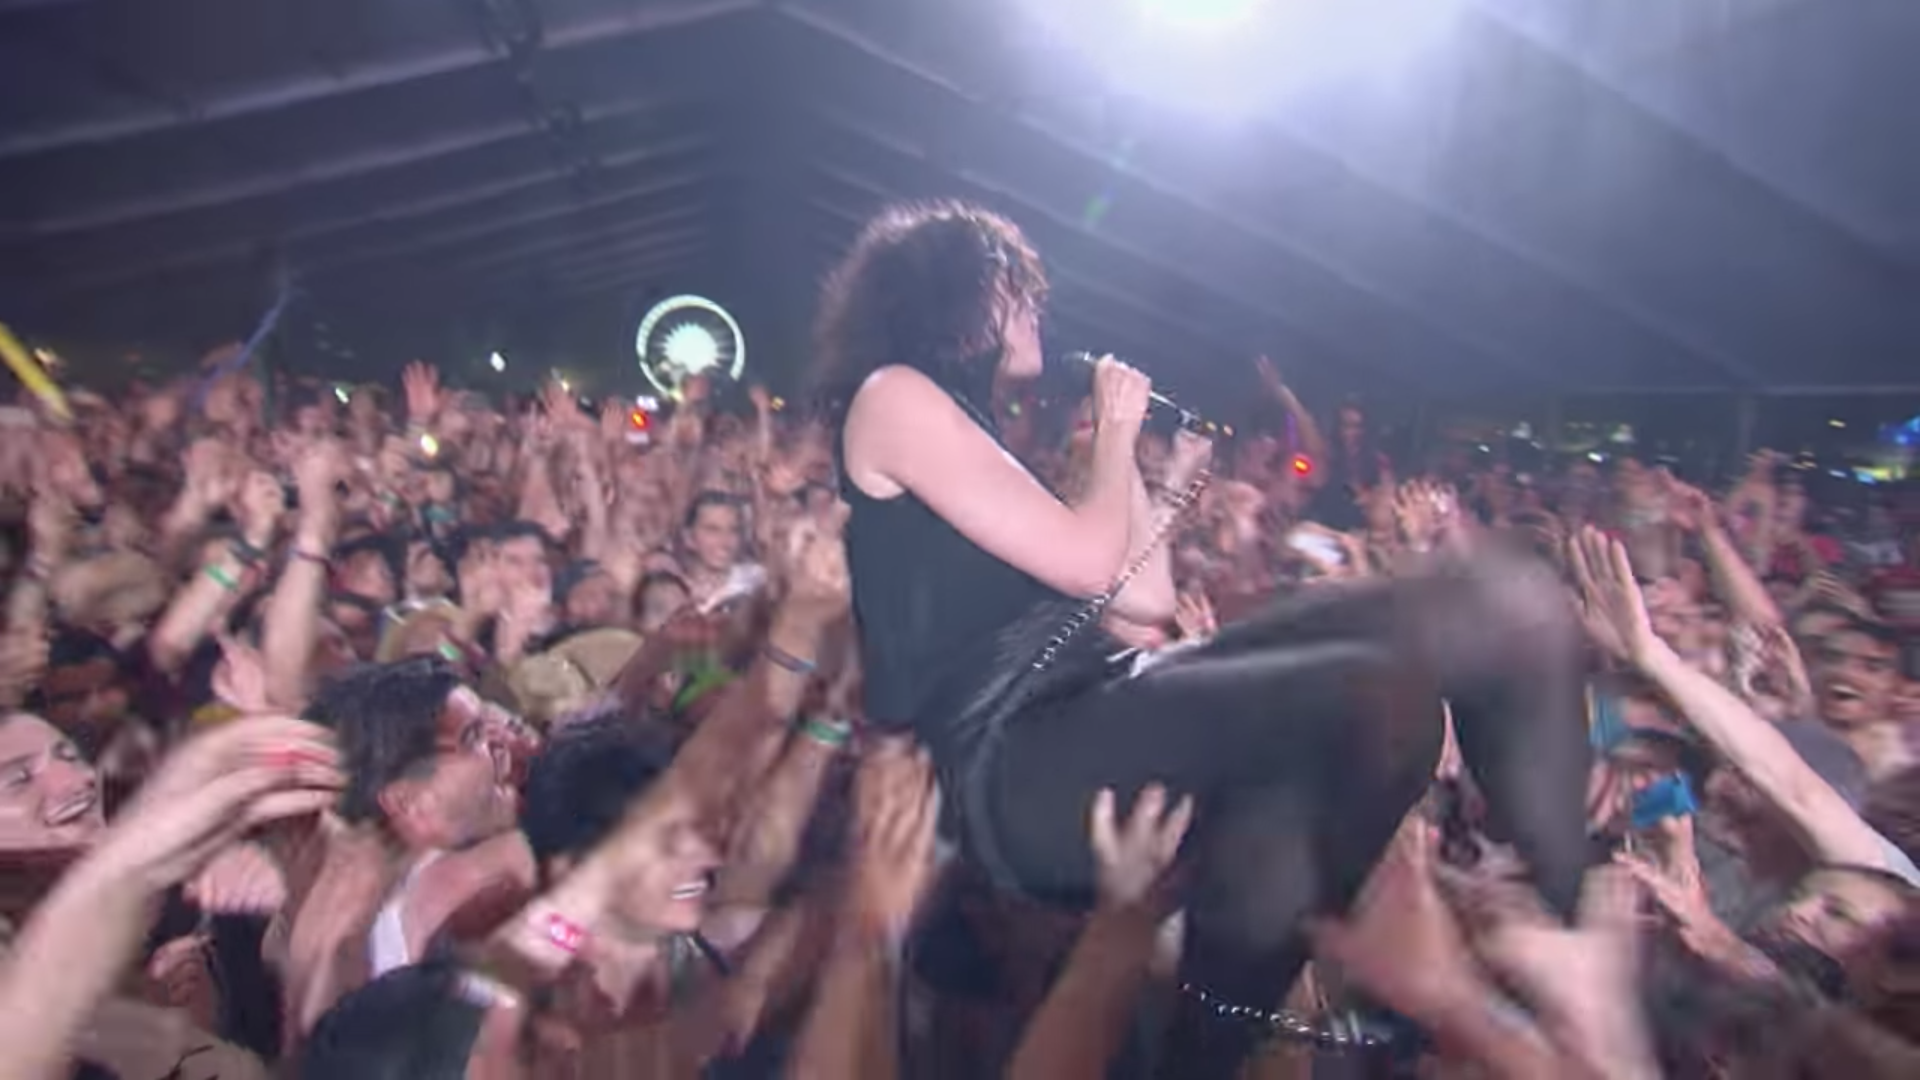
x: 434, y: 736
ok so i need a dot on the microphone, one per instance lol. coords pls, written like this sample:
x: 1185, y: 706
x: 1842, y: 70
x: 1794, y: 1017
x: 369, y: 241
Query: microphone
x: 1080, y: 359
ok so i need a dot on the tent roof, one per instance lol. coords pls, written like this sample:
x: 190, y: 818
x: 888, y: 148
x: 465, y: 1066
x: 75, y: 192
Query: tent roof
x: 1559, y: 195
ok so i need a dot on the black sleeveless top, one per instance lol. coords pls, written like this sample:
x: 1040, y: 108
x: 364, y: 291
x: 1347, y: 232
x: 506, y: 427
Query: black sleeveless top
x: 930, y: 605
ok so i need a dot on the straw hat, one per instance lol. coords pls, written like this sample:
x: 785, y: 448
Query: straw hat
x: 567, y: 676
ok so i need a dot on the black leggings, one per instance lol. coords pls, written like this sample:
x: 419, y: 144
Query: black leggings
x: 1306, y: 734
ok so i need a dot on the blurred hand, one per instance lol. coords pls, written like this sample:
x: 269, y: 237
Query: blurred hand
x: 319, y: 468
x: 1120, y: 396
x: 563, y: 410
x: 1583, y: 981
x: 242, y: 880
x: 216, y: 787
x: 422, y: 385
x: 1687, y: 506
x: 1193, y: 614
x: 1401, y: 942
x: 1189, y: 456
x: 160, y: 410
x: 1269, y: 376
x: 761, y: 398
x: 23, y: 662
x: 819, y: 585
x: 240, y: 678
x: 1133, y: 857
x: 614, y: 415
x: 262, y: 501
x: 1612, y: 608
x: 210, y: 479
x: 181, y: 978
x: 50, y: 522
x: 896, y: 807
x: 1669, y: 868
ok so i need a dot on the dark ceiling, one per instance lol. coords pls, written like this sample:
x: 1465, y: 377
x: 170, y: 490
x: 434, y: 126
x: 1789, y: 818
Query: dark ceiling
x: 1557, y: 195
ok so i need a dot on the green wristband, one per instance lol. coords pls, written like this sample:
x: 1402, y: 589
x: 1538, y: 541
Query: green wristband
x: 222, y: 578
x: 832, y: 734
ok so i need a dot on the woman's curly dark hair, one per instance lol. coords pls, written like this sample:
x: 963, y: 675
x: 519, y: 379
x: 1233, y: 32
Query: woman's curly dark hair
x: 918, y: 288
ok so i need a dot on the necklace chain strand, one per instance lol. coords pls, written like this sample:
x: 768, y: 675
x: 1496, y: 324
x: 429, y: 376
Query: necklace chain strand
x: 1287, y: 1024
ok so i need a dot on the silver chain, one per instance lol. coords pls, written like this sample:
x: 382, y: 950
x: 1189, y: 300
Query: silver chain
x: 1288, y: 1024
x: 1098, y: 605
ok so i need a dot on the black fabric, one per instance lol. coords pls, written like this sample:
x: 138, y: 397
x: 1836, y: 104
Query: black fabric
x: 931, y: 605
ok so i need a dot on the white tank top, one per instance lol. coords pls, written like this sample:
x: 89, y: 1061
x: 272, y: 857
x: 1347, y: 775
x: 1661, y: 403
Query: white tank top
x: 387, y: 942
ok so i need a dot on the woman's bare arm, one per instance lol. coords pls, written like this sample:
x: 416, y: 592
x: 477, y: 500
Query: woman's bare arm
x: 904, y: 433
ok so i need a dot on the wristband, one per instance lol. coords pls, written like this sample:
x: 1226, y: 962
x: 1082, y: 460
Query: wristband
x: 246, y: 553
x: 320, y: 561
x: 787, y: 661
x: 828, y: 732
x: 222, y: 578
x: 563, y: 933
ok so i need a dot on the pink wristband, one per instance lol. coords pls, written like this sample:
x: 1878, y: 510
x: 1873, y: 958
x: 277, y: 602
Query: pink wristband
x: 564, y: 934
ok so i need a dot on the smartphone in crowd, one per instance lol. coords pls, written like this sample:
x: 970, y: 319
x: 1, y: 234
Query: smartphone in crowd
x: 1668, y: 797
x: 1322, y: 550
x: 743, y: 581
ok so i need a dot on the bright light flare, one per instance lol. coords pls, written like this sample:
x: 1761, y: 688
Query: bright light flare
x: 497, y: 362
x: 1231, y: 58
x: 1201, y: 14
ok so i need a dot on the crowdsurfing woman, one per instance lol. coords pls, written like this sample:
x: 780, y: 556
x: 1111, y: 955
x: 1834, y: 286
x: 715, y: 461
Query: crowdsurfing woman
x: 1303, y: 735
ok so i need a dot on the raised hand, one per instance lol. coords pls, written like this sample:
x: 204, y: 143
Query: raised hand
x: 1687, y: 506
x: 242, y: 880
x: 1401, y: 942
x: 211, y: 481
x: 819, y: 583
x: 1189, y: 456
x: 318, y: 470
x: 1133, y: 858
x: 563, y: 410
x: 240, y: 678
x: 896, y: 807
x: 50, y: 522
x: 1669, y: 868
x: 1193, y: 614
x: 1582, y: 981
x: 23, y: 662
x: 424, y: 399
x: 262, y: 501
x: 1269, y: 376
x: 215, y: 788
x: 1612, y: 608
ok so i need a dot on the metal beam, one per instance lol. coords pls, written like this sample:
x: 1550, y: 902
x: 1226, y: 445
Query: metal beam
x: 490, y: 228
x: 386, y: 219
x: 330, y: 170
x: 573, y: 240
x: 625, y: 20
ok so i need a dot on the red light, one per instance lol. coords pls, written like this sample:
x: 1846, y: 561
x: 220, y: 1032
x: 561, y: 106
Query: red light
x: 639, y: 420
x: 1302, y: 465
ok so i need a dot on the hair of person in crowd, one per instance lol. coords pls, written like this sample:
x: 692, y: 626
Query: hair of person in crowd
x: 387, y: 718
x: 580, y: 787
x: 414, y: 1023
